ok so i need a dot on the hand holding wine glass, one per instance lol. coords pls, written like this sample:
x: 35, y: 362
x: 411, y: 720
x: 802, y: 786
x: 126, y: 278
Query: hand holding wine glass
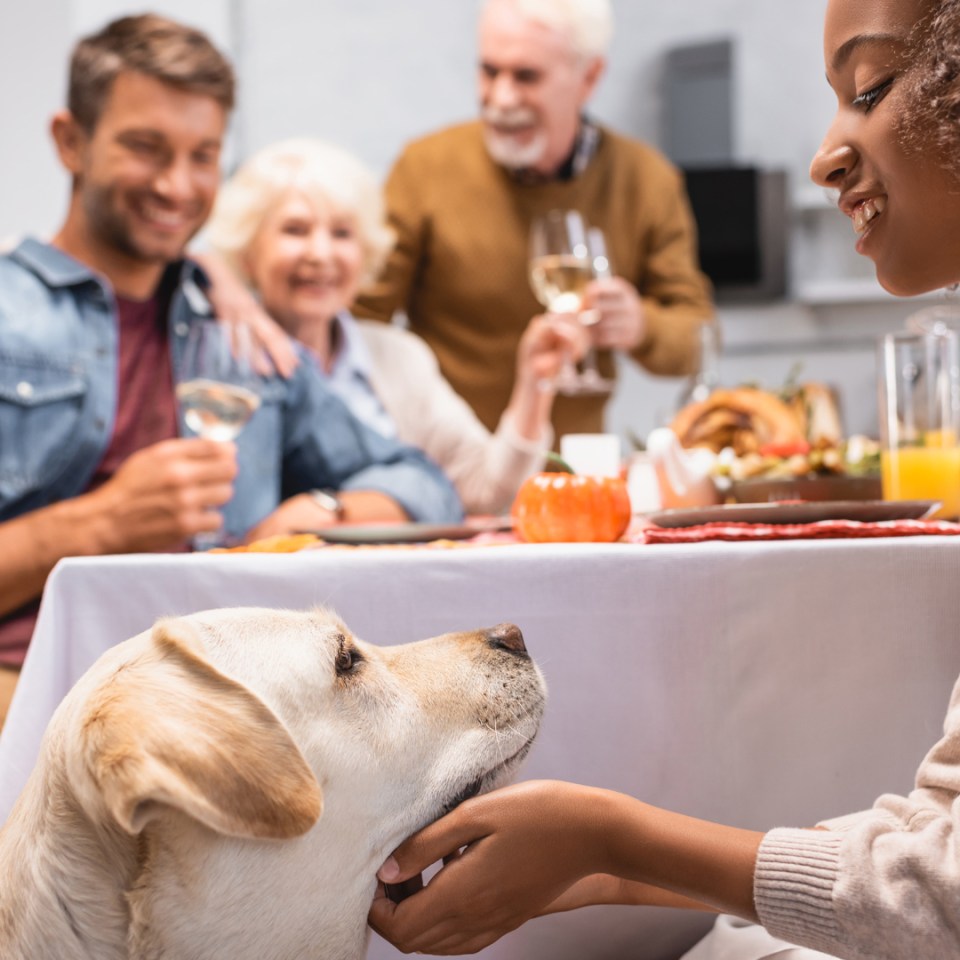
x: 217, y: 388
x: 562, y: 265
x: 592, y: 381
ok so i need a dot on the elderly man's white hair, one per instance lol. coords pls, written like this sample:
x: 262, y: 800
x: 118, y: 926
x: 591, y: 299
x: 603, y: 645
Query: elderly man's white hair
x: 588, y: 23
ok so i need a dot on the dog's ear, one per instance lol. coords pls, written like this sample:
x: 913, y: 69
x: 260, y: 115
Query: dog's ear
x: 169, y: 730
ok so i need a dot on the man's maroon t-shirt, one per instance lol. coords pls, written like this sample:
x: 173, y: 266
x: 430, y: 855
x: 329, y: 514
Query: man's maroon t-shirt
x: 146, y: 406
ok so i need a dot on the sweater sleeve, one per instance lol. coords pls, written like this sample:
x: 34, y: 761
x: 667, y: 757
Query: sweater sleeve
x: 486, y: 469
x: 393, y: 288
x: 883, y: 884
x: 676, y: 295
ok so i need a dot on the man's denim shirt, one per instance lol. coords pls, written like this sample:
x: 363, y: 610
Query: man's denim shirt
x: 58, y: 397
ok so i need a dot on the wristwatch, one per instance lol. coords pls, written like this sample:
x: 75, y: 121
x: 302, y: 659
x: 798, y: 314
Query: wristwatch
x: 330, y: 502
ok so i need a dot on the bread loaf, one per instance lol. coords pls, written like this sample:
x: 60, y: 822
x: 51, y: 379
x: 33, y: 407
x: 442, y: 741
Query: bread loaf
x: 744, y: 418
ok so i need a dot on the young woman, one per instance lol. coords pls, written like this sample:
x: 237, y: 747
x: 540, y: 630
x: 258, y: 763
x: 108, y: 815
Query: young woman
x: 302, y: 223
x: 879, y: 884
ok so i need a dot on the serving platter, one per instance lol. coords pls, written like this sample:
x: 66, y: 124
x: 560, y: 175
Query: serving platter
x: 864, y: 511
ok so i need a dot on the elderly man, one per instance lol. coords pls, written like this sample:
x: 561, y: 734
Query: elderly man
x: 462, y: 201
x: 93, y: 327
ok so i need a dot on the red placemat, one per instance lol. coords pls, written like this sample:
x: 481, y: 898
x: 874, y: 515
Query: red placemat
x: 823, y: 530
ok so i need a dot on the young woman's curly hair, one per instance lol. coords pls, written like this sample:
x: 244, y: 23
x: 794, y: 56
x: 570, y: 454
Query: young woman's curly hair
x: 934, y: 111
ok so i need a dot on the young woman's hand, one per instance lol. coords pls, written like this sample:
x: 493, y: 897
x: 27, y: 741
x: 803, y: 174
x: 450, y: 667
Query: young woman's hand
x: 510, y: 854
x: 545, y: 846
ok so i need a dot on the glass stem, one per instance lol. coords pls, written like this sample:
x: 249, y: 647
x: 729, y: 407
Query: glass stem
x: 589, y: 361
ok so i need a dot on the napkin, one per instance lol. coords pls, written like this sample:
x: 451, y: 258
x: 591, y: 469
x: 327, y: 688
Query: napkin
x: 822, y: 530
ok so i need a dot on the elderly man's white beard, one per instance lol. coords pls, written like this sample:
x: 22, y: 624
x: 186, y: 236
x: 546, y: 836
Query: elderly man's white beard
x: 505, y: 148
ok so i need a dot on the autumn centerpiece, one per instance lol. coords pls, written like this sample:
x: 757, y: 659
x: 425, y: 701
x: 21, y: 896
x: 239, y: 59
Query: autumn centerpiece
x: 558, y: 507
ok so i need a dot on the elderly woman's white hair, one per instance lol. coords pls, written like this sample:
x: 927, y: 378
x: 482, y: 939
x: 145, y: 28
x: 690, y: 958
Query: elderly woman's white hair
x: 324, y: 174
x: 588, y: 23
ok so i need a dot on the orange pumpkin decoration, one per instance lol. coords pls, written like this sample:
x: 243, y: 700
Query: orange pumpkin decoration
x: 566, y: 507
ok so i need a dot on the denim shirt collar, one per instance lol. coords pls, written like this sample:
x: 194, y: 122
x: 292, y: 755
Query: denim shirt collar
x: 353, y: 376
x: 58, y: 269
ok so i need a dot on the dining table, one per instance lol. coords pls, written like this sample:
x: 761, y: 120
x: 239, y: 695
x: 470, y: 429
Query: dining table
x: 757, y: 684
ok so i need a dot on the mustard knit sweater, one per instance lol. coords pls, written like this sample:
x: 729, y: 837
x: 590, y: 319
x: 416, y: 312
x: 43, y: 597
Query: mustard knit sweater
x: 459, y: 268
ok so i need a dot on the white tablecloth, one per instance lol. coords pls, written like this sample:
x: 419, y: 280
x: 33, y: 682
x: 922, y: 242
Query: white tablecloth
x: 755, y: 684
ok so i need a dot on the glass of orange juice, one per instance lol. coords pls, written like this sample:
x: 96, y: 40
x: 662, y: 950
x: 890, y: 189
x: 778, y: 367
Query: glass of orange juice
x: 919, y: 387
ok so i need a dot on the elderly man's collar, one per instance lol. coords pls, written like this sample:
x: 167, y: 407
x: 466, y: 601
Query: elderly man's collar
x: 584, y: 147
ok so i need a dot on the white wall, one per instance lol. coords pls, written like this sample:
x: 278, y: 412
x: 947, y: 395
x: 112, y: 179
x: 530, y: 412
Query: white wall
x: 371, y: 74
x: 374, y: 73
x: 34, y: 42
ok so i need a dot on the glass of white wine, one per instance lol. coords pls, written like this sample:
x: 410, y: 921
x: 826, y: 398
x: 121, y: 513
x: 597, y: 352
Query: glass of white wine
x: 591, y: 379
x: 562, y: 264
x: 217, y: 388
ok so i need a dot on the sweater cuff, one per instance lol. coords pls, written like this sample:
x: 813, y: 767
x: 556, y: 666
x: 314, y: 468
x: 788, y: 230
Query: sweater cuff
x: 793, y: 886
x: 529, y: 448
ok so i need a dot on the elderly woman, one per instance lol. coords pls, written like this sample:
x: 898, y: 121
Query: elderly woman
x: 302, y: 223
x: 878, y: 884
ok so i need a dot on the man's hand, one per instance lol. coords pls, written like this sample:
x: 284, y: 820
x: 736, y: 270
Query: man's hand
x: 524, y: 847
x: 165, y: 494
x: 620, y: 325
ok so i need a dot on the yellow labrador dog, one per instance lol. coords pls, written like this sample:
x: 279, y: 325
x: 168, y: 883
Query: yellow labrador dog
x: 227, y: 784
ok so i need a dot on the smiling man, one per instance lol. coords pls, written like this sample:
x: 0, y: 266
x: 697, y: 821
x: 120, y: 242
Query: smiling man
x: 145, y: 169
x: 462, y: 201
x: 93, y: 457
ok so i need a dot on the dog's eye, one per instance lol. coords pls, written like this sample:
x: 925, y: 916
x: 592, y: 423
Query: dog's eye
x: 347, y: 660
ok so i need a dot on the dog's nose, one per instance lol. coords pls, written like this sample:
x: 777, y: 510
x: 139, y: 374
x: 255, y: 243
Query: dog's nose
x: 506, y: 636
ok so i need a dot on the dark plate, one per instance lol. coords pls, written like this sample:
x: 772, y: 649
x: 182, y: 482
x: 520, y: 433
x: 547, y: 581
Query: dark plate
x: 805, y: 488
x: 865, y: 511
x: 368, y: 533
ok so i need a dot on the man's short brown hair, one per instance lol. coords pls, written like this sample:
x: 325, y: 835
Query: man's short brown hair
x: 163, y: 49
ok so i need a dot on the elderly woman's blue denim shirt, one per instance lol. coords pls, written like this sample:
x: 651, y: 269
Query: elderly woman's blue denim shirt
x: 58, y: 397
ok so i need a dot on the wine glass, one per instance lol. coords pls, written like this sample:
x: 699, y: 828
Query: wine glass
x: 562, y: 264
x: 217, y: 389
x: 592, y: 381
